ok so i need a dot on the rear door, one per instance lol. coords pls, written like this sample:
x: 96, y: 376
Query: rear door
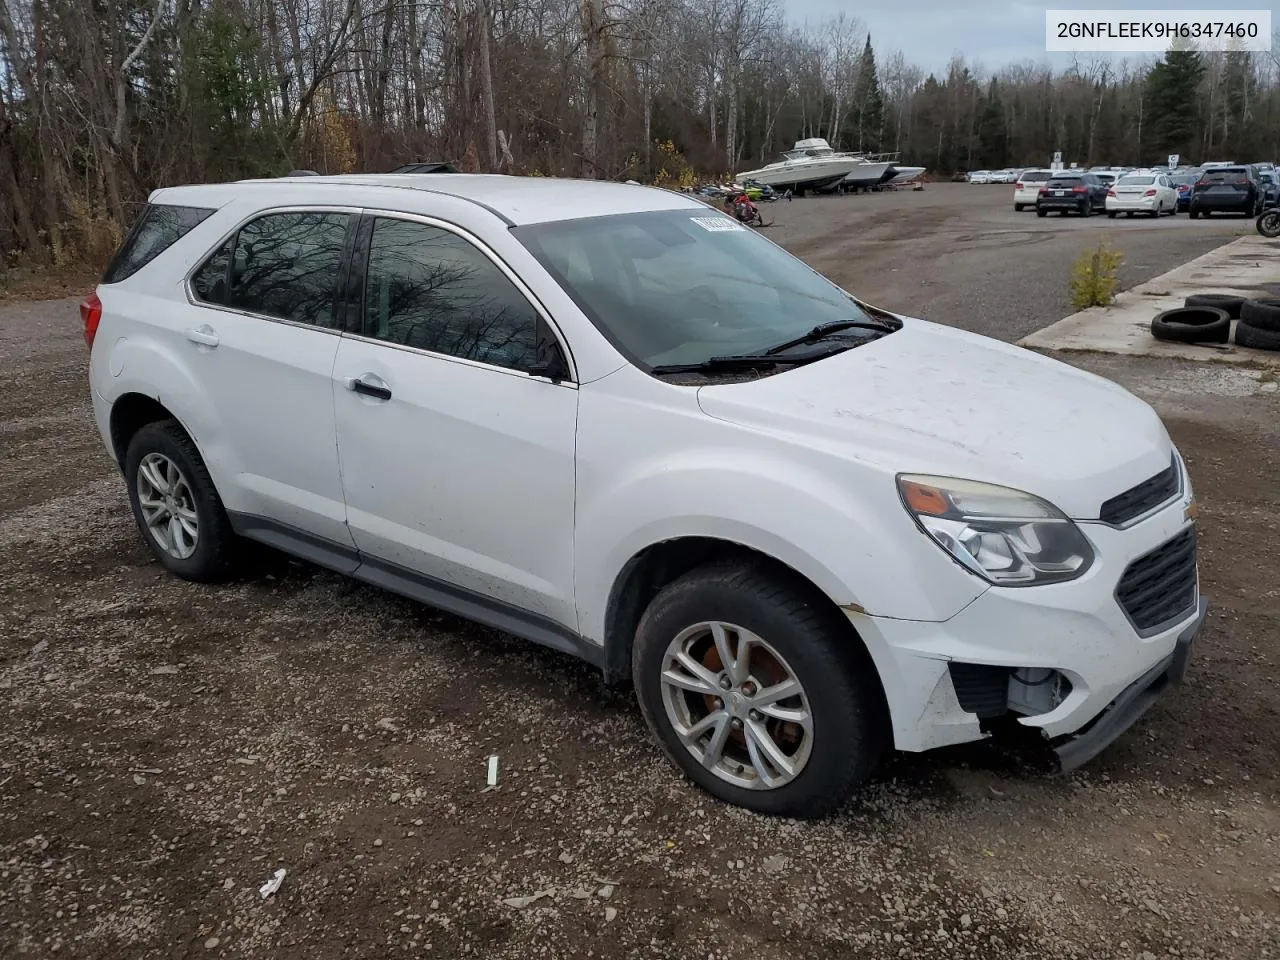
x: 261, y: 336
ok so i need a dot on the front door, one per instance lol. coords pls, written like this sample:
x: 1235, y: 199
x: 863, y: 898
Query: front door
x: 457, y: 463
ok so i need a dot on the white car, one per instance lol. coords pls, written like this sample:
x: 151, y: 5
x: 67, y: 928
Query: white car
x: 1152, y: 194
x: 612, y: 421
x: 1027, y: 187
x: 980, y: 176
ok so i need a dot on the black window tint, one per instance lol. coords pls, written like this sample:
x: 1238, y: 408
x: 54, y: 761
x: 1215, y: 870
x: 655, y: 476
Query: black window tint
x: 209, y: 283
x: 431, y: 289
x: 286, y: 265
x: 160, y: 227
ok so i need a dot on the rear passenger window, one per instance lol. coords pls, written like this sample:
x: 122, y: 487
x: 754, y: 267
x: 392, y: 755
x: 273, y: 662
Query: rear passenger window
x: 160, y: 227
x: 282, y: 265
x: 431, y: 289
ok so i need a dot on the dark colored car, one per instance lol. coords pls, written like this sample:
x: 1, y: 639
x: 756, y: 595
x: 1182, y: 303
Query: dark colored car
x: 1081, y: 193
x: 1184, y: 182
x: 1269, y: 180
x: 1227, y: 190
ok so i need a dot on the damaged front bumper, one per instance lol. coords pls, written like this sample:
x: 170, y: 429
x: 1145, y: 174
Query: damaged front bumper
x: 1125, y: 710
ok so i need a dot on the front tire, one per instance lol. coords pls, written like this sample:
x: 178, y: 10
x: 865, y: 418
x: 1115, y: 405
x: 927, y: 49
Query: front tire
x: 176, y: 506
x: 758, y: 691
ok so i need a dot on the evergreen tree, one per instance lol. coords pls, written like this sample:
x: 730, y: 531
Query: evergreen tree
x: 1234, y: 127
x: 993, y: 133
x: 1173, y: 101
x: 869, y: 102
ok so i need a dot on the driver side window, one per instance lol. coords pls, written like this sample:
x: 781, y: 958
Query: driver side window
x: 433, y: 290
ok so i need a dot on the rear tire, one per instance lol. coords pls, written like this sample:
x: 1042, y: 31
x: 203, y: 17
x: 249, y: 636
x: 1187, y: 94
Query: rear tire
x: 1193, y: 213
x: 1041, y: 213
x: 176, y: 506
x: 1018, y: 207
x: 1112, y: 214
x: 790, y: 634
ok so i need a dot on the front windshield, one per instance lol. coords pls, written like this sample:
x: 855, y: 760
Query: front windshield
x: 682, y: 286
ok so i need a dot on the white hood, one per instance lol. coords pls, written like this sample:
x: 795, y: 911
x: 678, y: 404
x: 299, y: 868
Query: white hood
x: 933, y: 399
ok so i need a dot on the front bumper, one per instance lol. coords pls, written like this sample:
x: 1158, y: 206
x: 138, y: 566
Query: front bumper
x: 1125, y: 710
x: 1076, y: 630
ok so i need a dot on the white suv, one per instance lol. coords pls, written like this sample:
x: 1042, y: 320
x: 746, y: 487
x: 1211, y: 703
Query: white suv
x: 1027, y: 188
x: 613, y: 421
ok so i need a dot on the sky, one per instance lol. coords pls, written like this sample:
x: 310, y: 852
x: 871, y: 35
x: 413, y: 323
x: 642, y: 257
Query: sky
x: 992, y: 32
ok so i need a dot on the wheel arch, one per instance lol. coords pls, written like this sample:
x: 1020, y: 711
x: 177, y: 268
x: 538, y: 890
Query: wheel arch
x: 654, y: 566
x: 132, y: 411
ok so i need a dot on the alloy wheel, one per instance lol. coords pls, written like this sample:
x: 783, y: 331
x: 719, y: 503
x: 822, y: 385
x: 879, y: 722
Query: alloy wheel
x: 168, y: 506
x: 737, y: 706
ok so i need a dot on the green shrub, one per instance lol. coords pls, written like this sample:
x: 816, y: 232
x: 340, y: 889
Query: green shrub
x: 1093, y: 278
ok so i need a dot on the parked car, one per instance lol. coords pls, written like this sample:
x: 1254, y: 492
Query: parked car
x: 1149, y: 193
x: 1082, y: 193
x: 980, y: 176
x: 1269, y: 181
x: 611, y: 420
x: 1223, y: 189
x: 1003, y: 176
x: 1027, y: 188
x: 1108, y: 177
x: 1183, y: 182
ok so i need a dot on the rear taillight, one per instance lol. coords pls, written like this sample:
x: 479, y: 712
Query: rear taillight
x: 1111, y: 193
x: 91, y: 316
x: 1078, y: 189
x: 1240, y: 180
x: 1149, y: 193
x: 1043, y: 190
x: 1018, y: 185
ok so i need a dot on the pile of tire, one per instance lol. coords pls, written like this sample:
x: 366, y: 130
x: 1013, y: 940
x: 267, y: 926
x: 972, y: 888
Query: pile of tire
x: 1206, y: 318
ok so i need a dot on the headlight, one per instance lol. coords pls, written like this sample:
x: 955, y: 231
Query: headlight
x: 1005, y: 536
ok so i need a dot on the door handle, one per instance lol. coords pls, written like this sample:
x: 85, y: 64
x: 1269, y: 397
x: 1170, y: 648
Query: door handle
x: 204, y: 335
x: 370, y: 385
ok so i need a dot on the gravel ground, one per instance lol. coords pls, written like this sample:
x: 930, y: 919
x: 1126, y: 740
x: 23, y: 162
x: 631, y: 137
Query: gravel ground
x: 164, y: 747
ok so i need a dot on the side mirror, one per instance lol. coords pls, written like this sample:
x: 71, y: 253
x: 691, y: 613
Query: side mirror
x: 549, y: 360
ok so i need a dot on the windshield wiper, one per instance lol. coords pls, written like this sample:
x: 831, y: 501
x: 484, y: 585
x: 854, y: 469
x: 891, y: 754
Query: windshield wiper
x: 824, y: 330
x: 746, y: 361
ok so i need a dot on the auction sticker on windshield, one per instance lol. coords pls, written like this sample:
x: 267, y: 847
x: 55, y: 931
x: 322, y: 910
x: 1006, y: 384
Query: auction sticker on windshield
x: 716, y: 224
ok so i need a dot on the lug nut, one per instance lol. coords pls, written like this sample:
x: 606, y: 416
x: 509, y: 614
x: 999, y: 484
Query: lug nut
x: 725, y: 682
x: 755, y: 715
x: 719, y: 704
x: 749, y: 688
x: 737, y: 724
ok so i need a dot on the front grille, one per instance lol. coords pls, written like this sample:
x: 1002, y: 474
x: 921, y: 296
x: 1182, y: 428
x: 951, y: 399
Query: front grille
x: 1159, y: 588
x: 981, y: 689
x: 1136, y: 501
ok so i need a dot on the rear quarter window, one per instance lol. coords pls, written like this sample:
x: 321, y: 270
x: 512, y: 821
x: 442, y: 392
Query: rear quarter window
x: 160, y: 227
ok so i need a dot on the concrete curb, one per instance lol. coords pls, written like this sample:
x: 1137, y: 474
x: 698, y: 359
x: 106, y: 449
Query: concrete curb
x: 1249, y: 267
